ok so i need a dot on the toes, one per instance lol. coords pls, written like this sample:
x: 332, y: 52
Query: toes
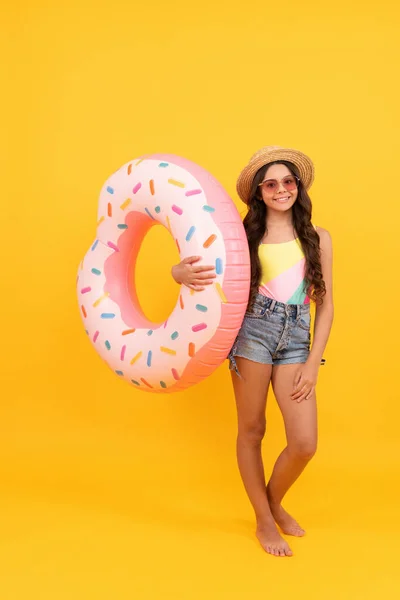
x: 282, y: 552
x: 289, y: 552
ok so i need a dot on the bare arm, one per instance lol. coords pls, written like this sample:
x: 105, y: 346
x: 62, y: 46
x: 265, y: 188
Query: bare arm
x: 324, y: 312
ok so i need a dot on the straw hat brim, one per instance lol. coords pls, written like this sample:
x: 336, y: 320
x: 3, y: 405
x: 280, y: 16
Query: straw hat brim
x: 270, y: 154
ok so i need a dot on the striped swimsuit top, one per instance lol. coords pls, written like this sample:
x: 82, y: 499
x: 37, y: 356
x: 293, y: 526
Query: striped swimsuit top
x: 282, y: 272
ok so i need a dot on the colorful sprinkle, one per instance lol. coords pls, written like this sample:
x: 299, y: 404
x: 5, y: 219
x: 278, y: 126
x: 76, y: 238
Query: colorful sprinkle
x: 174, y: 335
x: 201, y: 308
x: 107, y: 315
x: 136, y: 357
x: 81, y: 265
x: 181, y: 302
x: 165, y: 324
x: 178, y: 246
x: 168, y: 224
x: 99, y: 222
x: 84, y: 311
x: 94, y: 245
x: 208, y: 208
x: 119, y: 373
x: 110, y: 190
x: 103, y: 297
x: 221, y: 292
x: 163, y: 384
x: 177, y: 209
x: 122, y: 356
x: 113, y: 246
x: 96, y: 335
x: 190, y: 233
x: 150, y: 331
x: 135, y: 382
x: 146, y: 383
x: 137, y: 188
x: 199, y: 327
x: 177, y: 183
x: 149, y: 355
x: 122, y: 226
x: 149, y: 213
x: 175, y: 374
x: 129, y: 169
x: 86, y: 290
x: 108, y: 345
x: 191, y: 349
x: 192, y: 292
x: 96, y: 271
x: 157, y: 209
x: 125, y: 204
x: 193, y: 192
x: 139, y: 161
x: 209, y: 241
x: 152, y: 187
x: 109, y: 209
x: 127, y: 331
x: 168, y: 350
x: 163, y: 165
x: 218, y: 266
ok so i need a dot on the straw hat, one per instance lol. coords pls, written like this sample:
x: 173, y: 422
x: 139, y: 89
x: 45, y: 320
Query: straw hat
x: 270, y: 154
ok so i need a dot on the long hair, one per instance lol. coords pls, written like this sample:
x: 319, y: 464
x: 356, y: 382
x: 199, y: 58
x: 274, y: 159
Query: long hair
x: 255, y: 224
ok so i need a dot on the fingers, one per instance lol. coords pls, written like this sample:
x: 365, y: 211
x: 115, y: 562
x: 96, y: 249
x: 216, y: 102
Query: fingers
x: 191, y: 259
x: 203, y: 268
x: 304, y: 393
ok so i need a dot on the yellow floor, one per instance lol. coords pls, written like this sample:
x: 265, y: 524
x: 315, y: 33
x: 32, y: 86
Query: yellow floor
x: 142, y: 499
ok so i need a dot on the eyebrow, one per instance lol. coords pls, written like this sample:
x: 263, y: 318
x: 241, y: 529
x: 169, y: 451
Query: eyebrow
x: 275, y: 179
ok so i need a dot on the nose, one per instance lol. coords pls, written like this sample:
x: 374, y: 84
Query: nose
x: 281, y: 187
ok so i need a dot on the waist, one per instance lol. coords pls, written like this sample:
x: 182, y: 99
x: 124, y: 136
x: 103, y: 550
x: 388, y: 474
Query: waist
x: 280, y: 307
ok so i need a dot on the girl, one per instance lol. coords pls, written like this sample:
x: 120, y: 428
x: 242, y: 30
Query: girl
x: 291, y: 265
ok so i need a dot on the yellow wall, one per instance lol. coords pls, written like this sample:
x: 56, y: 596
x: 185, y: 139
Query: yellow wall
x: 104, y: 486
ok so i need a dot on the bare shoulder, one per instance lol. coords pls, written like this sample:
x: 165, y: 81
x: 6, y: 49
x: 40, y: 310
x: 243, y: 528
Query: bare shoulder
x: 324, y: 237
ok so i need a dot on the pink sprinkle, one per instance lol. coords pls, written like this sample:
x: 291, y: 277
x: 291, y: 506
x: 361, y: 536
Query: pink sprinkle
x: 137, y: 188
x: 199, y: 327
x: 176, y: 209
x: 123, y: 352
x: 165, y: 324
x: 96, y: 335
x: 86, y: 290
x: 193, y: 192
x: 113, y: 246
x: 175, y: 374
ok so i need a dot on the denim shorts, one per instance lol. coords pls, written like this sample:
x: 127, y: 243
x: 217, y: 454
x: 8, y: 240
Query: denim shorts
x: 273, y: 333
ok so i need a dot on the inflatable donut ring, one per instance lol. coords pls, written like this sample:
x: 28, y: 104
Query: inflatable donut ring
x: 198, y: 334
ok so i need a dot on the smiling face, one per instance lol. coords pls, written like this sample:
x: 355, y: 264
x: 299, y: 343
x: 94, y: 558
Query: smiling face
x: 280, y: 199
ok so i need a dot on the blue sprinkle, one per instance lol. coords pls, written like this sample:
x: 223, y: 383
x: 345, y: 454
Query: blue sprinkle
x: 201, y: 308
x: 174, y: 335
x: 110, y: 190
x: 107, y: 315
x: 122, y: 226
x: 218, y: 266
x: 95, y: 244
x: 163, y: 385
x: 163, y: 165
x: 150, y: 354
x: 108, y: 345
x: 96, y: 271
x: 208, y: 208
x: 135, y: 382
x: 119, y: 372
x: 149, y: 213
x: 150, y: 331
x: 190, y: 233
x: 157, y: 209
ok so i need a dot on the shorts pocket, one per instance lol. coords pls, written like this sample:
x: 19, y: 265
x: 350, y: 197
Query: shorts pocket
x: 304, y: 321
x: 257, y: 311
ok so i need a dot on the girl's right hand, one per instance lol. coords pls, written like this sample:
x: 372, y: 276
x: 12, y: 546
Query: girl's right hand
x: 193, y: 277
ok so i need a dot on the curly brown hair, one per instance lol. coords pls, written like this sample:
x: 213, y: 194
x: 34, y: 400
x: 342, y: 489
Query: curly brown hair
x: 255, y: 224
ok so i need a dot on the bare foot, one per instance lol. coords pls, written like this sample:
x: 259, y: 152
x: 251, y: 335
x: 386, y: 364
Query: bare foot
x: 287, y: 524
x: 271, y: 541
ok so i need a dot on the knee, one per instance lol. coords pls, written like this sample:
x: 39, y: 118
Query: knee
x: 252, y: 433
x: 303, y: 449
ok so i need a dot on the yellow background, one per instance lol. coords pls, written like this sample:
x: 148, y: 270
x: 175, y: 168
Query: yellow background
x: 109, y: 493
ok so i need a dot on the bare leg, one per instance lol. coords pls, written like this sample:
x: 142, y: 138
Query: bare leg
x: 251, y: 397
x: 301, y: 435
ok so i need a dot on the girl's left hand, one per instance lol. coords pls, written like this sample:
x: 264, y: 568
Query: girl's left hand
x: 305, y: 381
